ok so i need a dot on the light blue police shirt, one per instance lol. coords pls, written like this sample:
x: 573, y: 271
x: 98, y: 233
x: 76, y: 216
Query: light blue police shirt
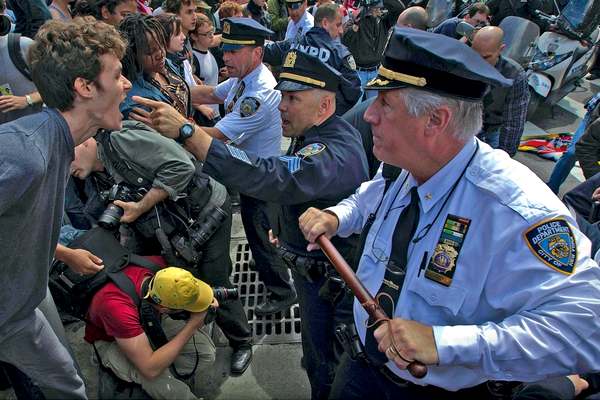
x: 295, y: 30
x: 259, y: 133
x: 506, y: 314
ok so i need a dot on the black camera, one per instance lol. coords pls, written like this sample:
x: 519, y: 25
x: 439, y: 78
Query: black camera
x: 225, y: 294
x: 188, y: 244
x: 222, y: 294
x: 111, y: 216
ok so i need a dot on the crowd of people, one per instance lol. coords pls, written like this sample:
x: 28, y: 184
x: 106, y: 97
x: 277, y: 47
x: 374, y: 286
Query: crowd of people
x: 129, y: 129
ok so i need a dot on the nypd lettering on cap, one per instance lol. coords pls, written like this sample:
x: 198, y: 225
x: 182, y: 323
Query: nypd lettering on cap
x: 552, y: 241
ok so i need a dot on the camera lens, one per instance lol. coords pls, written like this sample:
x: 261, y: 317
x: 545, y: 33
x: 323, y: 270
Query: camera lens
x: 111, y: 217
x: 223, y: 294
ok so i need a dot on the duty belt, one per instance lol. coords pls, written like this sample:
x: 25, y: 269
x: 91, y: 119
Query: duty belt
x: 310, y: 268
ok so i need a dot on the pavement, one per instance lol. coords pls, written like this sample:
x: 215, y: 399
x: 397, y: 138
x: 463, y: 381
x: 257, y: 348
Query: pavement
x: 276, y: 372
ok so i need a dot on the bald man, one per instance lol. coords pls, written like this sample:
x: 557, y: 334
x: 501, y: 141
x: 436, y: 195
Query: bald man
x: 413, y: 17
x: 505, y: 109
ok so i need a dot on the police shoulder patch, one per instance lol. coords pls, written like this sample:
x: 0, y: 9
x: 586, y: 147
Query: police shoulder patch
x: 238, y: 154
x: 249, y: 106
x: 552, y: 241
x: 292, y: 163
x: 350, y: 63
x: 311, y: 150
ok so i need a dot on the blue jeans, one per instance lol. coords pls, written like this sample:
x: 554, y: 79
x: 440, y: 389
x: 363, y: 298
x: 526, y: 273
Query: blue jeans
x: 365, y: 77
x: 566, y: 162
x: 492, y: 138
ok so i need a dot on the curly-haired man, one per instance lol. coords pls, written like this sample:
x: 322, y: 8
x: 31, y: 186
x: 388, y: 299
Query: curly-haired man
x: 77, y: 71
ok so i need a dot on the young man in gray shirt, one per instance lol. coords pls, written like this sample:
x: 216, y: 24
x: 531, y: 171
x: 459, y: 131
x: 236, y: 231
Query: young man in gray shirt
x: 77, y: 71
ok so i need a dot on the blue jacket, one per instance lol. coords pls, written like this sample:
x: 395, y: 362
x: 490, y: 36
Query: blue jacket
x: 318, y: 43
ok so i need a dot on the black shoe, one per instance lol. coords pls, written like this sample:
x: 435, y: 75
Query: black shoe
x: 240, y: 360
x: 274, y: 306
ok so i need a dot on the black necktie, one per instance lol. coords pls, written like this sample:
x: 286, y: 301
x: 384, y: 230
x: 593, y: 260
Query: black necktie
x: 240, y: 89
x: 390, y: 289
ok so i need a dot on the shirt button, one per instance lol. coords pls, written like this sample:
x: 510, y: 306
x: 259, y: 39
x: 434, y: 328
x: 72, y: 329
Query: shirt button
x: 433, y: 297
x: 428, y: 196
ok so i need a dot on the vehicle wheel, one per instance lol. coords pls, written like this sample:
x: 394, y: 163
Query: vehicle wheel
x: 534, y: 102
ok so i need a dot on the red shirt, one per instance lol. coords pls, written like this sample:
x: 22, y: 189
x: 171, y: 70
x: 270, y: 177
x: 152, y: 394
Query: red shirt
x: 113, y: 313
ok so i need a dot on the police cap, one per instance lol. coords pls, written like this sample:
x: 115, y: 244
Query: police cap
x: 436, y: 63
x: 294, y: 4
x: 301, y: 71
x: 239, y: 31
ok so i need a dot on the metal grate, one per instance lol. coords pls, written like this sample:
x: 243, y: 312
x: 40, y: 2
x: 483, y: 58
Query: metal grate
x: 271, y: 329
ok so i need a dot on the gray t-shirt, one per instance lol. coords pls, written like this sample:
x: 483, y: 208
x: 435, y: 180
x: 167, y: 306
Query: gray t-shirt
x: 12, y: 81
x: 35, y: 155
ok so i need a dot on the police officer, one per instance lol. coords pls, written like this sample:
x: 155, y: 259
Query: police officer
x: 481, y: 268
x: 322, y: 41
x: 300, y: 19
x: 325, y: 163
x: 251, y: 123
x: 367, y: 34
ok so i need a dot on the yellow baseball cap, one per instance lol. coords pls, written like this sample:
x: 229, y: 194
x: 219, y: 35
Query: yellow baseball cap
x: 176, y: 288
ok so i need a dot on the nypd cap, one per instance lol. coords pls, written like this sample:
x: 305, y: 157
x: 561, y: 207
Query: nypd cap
x: 294, y: 4
x: 239, y: 31
x: 436, y: 63
x: 301, y: 71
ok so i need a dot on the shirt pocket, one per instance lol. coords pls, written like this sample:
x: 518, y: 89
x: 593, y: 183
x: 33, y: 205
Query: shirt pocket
x: 450, y: 298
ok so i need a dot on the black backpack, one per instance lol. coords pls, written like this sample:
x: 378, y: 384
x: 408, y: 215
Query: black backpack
x: 73, y: 293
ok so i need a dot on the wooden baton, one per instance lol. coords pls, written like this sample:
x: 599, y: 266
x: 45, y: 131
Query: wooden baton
x: 416, y: 368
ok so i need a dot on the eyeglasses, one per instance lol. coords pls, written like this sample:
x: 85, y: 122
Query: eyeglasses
x: 207, y: 34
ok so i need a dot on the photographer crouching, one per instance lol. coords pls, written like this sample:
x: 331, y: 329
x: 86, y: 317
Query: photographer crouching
x: 137, y: 177
x: 123, y: 334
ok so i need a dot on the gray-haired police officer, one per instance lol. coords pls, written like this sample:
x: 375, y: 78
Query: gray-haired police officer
x: 480, y: 266
x: 325, y: 163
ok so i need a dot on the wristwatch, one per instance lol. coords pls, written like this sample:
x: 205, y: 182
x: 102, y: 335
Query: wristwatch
x: 29, y: 100
x: 185, y: 132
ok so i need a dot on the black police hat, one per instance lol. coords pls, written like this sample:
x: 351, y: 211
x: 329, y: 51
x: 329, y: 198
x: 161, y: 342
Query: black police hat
x: 436, y: 63
x: 301, y: 71
x: 238, y: 32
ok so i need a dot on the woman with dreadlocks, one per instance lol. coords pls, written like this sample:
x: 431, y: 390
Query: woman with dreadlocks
x: 145, y: 64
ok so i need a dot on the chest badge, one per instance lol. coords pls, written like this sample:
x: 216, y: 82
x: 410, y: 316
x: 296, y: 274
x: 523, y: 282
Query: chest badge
x: 442, y: 264
x: 552, y: 242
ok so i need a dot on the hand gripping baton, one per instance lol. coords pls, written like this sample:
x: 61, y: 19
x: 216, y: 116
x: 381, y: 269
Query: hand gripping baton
x: 416, y: 368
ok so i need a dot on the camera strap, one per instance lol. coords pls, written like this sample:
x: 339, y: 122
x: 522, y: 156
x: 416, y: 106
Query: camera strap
x: 150, y: 320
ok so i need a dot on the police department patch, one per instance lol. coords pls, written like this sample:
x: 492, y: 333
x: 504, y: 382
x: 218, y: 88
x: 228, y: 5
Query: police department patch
x: 311, y: 149
x: 292, y: 163
x: 552, y: 241
x: 249, y: 106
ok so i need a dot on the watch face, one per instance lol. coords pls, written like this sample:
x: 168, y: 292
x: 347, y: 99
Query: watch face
x: 187, y: 130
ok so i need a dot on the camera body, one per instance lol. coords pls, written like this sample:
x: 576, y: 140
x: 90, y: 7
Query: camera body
x: 111, y: 216
x: 222, y: 294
